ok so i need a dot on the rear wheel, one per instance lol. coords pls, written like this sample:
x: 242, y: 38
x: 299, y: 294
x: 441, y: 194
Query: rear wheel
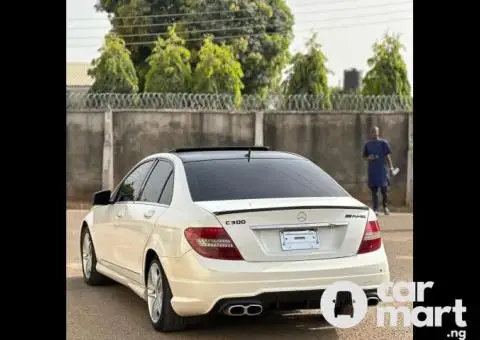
x: 159, y: 294
x: 89, y: 261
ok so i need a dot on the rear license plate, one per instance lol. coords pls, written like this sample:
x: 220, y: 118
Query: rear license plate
x: 299, y: 240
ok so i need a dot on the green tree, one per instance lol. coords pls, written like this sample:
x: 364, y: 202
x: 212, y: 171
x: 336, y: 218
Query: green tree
x: 131, y: 20
x: 217, y: 71
x: 113, y: 71
x: 259, y: 30
x: 309, y: 73
x: 170, y: 69
x: 388, y: 71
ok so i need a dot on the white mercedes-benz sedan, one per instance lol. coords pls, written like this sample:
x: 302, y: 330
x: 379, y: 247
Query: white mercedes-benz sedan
x: 237, y: 231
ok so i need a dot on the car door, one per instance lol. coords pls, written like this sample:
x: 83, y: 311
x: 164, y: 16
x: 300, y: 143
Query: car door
x: 102, y: 226
x: 121, y: 210
x: 138, y: 225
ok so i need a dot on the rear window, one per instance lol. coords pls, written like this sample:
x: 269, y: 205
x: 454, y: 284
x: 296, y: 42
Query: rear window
x: 235, y: 179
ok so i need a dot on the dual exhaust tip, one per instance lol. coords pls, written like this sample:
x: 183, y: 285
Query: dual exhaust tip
x: 241, y: 310
x: 257, y: 309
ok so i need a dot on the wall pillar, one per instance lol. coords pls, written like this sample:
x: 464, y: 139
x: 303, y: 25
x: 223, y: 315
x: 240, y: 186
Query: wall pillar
x: 107, y: 162
x: 259, y: 128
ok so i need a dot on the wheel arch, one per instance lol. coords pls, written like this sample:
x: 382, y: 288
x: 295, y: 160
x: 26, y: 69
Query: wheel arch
x: 84, y: 226
x: 149, y: 256
x: 87, y: 222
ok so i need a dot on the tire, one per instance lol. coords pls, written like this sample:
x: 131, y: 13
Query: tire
x: 163, y: 318
x: 89, y: 261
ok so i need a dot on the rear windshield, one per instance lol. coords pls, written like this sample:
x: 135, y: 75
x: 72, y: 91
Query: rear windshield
x: 235, y: 179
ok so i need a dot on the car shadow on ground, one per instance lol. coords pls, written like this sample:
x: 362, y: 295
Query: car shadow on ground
x: 117, y: 299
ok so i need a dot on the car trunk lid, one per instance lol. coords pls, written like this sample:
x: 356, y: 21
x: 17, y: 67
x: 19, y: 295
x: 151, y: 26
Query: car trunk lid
x: 289, y: 229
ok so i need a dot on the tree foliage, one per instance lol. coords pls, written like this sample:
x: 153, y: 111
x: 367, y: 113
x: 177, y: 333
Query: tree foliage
x: 217, y: 70
x: 113, y: 71
x: 309, y: 73
x: 388, y: 72
x: 169, y: 66
x: 259, y: 30
x: 129, y: 19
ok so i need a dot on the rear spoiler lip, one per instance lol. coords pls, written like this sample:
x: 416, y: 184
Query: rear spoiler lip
x: 309, y: 207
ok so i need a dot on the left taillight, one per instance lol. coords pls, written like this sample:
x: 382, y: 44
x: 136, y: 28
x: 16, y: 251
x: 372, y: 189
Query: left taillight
x: 213, y: 243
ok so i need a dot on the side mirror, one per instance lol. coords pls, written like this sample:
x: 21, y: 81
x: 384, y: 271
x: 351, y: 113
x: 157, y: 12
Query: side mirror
x: 102, y: 197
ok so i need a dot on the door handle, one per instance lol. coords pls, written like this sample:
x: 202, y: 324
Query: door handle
x: 120, y: 214
x: 149, y: 213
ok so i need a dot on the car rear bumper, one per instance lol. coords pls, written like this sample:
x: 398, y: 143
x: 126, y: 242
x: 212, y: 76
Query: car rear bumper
x: 285, y: 300
x: 201, y: 286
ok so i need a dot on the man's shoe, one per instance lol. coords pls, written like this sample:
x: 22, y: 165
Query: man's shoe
x: 387, y: 211
x: 376, y: 212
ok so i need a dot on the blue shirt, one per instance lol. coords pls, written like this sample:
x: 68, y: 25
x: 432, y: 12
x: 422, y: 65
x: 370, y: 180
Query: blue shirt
x: 377, y: 171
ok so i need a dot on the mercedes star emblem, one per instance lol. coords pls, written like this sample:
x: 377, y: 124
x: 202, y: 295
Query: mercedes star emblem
x: 301, y: 216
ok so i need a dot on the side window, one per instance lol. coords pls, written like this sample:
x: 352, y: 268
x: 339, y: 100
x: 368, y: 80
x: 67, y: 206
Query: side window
x: 130, y: 188
x: 167, y: 193
x: 155, y: 183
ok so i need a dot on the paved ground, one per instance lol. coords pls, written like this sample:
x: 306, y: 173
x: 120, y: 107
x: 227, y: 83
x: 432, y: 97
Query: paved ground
x: 116, y: 313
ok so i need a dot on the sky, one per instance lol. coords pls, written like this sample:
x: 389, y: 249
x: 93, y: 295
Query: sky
x: 346, y: 30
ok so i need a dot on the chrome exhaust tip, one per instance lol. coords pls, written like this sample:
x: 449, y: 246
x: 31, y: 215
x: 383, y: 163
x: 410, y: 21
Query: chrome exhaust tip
x: 240, y: 310
x: 235, y: 310
x: 254, y: 309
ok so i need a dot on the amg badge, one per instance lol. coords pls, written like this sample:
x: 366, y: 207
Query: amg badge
x: 355, y: 216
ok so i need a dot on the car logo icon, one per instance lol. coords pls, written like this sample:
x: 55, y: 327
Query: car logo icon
x: 344, y: 304
x: 301, y: 216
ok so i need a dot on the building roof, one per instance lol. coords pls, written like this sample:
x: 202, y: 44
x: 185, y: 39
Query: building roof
x: 77, y: 74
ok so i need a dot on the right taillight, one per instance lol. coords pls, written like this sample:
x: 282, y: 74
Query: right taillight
x: 212, y: 242
x: 372, y: 240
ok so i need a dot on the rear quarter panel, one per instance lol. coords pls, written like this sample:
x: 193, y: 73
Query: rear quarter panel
x: 168, y: 239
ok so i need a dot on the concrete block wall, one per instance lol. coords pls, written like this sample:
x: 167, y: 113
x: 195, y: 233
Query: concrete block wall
x: 332, y: 140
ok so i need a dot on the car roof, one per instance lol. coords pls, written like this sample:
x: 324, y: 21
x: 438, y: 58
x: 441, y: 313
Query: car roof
x: 204, y: 154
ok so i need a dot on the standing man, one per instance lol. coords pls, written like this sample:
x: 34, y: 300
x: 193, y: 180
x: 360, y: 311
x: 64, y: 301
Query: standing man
x: 377, y: 152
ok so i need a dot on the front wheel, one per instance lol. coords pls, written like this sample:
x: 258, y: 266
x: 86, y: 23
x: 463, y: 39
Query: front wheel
x: 89, y: 261
x: 159, y: 294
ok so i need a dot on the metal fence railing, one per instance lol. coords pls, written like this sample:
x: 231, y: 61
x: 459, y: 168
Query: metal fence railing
x: 78, y: 101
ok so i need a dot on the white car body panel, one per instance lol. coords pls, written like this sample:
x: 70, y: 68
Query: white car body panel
x: 259, y: 239
x: 124, y: 233
x: 198, y: 283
